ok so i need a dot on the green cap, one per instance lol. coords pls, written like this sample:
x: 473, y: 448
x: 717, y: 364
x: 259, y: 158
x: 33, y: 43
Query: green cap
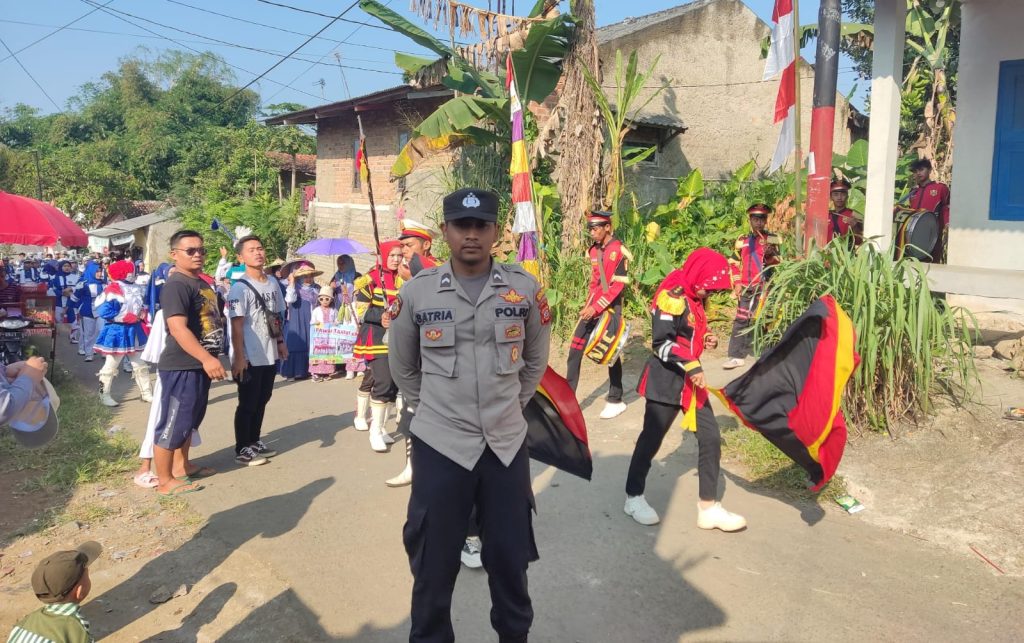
x: 58, y: 573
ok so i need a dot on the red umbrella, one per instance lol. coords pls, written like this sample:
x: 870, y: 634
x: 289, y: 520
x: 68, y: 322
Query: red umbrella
x: 29, y: 222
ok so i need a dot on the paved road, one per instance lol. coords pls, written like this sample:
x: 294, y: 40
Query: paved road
x: 320, y: 522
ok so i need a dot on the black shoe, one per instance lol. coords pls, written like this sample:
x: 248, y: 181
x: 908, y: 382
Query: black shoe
x: 263, y: 450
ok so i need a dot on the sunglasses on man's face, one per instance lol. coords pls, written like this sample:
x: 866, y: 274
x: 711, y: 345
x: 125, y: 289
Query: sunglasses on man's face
x: 200, y: 250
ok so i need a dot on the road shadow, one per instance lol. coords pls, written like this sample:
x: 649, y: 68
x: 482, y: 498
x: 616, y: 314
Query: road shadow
x: 205, y: 612
x: 224, y: 532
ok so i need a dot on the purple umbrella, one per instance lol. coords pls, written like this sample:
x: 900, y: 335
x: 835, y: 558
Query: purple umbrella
x: 330, y: 247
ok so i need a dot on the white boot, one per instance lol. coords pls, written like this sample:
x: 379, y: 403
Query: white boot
x: 141, y: 375
x: 362, y: 407
x: 716, y: 517
x: 106, y: 382
x: 378, y: 413
x: 404, y: 478
x: 399, y: 402
x: 384, y: 426
x: 638, y: 509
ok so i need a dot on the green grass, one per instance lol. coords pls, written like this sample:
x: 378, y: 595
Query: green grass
x: 82, y: 452
x: 770, y: 468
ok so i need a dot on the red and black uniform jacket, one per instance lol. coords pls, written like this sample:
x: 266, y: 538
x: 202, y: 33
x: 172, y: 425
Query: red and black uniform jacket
x: 608, y: 275
x: 678, y: 328
x: 843, y: 222
x: 375, y: 291
x: 932, y: 197
x: 421, y: 262
x: 749, y: 260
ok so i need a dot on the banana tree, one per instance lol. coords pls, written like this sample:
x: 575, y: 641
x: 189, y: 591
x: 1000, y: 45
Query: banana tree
x: 619, y: 111
x: 480, y: 114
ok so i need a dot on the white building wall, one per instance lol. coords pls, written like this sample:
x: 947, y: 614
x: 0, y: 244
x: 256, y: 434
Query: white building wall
x: 991, y: 33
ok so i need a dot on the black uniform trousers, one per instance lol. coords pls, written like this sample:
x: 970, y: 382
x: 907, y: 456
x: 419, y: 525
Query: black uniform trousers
x: 658, y: 418
x: 741, y: 342
x: 443, y: 496
x: 377, y: 380
x: 579, y: 341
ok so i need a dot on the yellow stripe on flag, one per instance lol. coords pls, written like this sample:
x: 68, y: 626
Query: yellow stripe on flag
x: 844, y: 368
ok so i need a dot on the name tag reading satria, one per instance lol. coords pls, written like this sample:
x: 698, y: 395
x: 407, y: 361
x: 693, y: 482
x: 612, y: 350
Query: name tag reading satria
x: 434, y: 316
x: 512, y: 312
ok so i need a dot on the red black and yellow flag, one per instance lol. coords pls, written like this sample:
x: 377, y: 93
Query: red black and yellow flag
x: 557, y: 433
x: 792, y: 394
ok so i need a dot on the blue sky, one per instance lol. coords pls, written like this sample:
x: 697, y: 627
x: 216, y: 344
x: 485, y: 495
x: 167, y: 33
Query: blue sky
x: 93, y: 44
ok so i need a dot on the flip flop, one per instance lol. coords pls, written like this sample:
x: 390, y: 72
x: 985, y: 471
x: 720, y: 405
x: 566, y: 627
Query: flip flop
x: 1015, y: 413
x: 146, y: 480
x: 202, y: 472
x: 182, y: 489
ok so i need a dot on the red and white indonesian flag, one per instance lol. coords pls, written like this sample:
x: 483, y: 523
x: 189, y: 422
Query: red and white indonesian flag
x: 781, y: 59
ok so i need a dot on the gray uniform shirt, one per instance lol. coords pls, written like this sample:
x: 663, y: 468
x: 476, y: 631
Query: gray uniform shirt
x: 467, y: 368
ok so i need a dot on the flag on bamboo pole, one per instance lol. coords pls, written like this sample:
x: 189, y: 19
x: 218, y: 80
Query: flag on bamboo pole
x: 792, y: 395
x: 361, y: 159
x: 525, y: 222
x: 781, y: 58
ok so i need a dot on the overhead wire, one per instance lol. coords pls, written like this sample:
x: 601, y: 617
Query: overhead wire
x: 306, y: 42
x: 193, y: 49
x: 56, y: 31
x: 205, y: 40
x: 29, y: 74
x: 315, y: 13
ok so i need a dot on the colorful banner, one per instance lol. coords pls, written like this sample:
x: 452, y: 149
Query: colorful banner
x: 525, y: 222
x: 332, y: 343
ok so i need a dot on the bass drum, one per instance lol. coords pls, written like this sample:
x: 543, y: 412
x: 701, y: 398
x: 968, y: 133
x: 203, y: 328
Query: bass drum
x: 916, y: 234
x: 608, y: 338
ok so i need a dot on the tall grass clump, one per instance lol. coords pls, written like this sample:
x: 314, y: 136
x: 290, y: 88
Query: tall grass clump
x: 912, y: 345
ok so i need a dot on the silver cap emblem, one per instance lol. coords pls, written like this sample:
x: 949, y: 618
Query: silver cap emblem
x: 471, y: 201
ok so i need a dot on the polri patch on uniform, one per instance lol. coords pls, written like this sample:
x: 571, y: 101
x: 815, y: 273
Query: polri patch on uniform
x: 396, y: 307
x: 511, y: 312
x: 545, y: 312
x: 433, y: 334
x: 513, y: 332
x: 512, y: 296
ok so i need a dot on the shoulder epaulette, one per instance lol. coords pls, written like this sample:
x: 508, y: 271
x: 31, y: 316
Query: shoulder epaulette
x: 673, y: 304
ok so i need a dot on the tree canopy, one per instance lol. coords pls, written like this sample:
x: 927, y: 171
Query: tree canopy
x: 158, y: 127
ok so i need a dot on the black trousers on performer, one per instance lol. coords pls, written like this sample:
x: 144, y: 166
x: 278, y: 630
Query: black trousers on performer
x: 377, y: 380
x: 254, y: 391
x: 442, y: 499
x: 658, y: 418
x: 579, y: 342
x: 741, y: 343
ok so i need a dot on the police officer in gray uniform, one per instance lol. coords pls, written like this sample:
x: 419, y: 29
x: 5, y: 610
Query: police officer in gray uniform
x: 468, y: 346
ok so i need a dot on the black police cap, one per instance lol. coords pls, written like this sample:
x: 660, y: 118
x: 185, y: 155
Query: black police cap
x: 471, y: 203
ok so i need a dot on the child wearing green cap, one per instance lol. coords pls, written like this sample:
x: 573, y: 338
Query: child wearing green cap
x: 61, y: 582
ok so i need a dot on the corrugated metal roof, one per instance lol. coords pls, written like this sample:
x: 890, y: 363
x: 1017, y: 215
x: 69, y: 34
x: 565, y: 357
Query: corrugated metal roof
x: 131, y: 225
x: 313, y: 114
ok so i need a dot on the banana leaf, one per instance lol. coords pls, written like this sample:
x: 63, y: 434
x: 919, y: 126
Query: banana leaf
x: 452, y: 124
x: 538, y: 64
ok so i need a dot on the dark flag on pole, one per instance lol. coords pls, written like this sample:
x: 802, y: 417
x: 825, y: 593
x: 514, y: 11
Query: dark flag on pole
x: 557, y: 433
x: 792, y: 394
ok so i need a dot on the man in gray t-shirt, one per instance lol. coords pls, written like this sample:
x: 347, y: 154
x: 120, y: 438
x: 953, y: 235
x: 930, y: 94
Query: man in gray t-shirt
x: 255, y: 307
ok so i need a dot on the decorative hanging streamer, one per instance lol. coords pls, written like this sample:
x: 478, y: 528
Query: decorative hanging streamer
x: 525, y: 222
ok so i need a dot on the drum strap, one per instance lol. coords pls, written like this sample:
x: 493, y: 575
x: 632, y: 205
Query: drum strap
x: 600, y: 269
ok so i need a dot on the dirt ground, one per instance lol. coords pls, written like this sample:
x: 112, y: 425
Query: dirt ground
x: 956, y: 483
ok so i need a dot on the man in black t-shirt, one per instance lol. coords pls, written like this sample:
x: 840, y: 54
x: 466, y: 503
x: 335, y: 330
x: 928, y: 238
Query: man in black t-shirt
x: 189, y: 362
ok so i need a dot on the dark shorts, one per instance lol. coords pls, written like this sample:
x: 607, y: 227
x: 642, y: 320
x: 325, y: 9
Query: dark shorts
x: 183, y: 399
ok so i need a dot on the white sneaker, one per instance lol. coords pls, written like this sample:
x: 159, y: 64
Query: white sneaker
x: 403, y: 479
x: 350, y: 375
x: 638, y: 509
x: 89, y: 358
x: 471, y: 553
x: 716, y: 517
x: 735, y: 362
x: 612, y: 410
x: 146, y: 397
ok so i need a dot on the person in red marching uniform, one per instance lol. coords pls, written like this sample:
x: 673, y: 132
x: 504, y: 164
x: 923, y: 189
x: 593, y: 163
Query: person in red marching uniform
x: 842, y: 220
x: 673, y: 380
x: 608, y: 278
x: 375, y: 291
x: 754, y: 253
x: 931, y: 196
x: 416, y: 240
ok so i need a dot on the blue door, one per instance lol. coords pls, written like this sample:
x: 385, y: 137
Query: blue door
x: 1008, y: 163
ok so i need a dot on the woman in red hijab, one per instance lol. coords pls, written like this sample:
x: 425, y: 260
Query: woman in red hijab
x: 673, y: 380
x: 375, y: 292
